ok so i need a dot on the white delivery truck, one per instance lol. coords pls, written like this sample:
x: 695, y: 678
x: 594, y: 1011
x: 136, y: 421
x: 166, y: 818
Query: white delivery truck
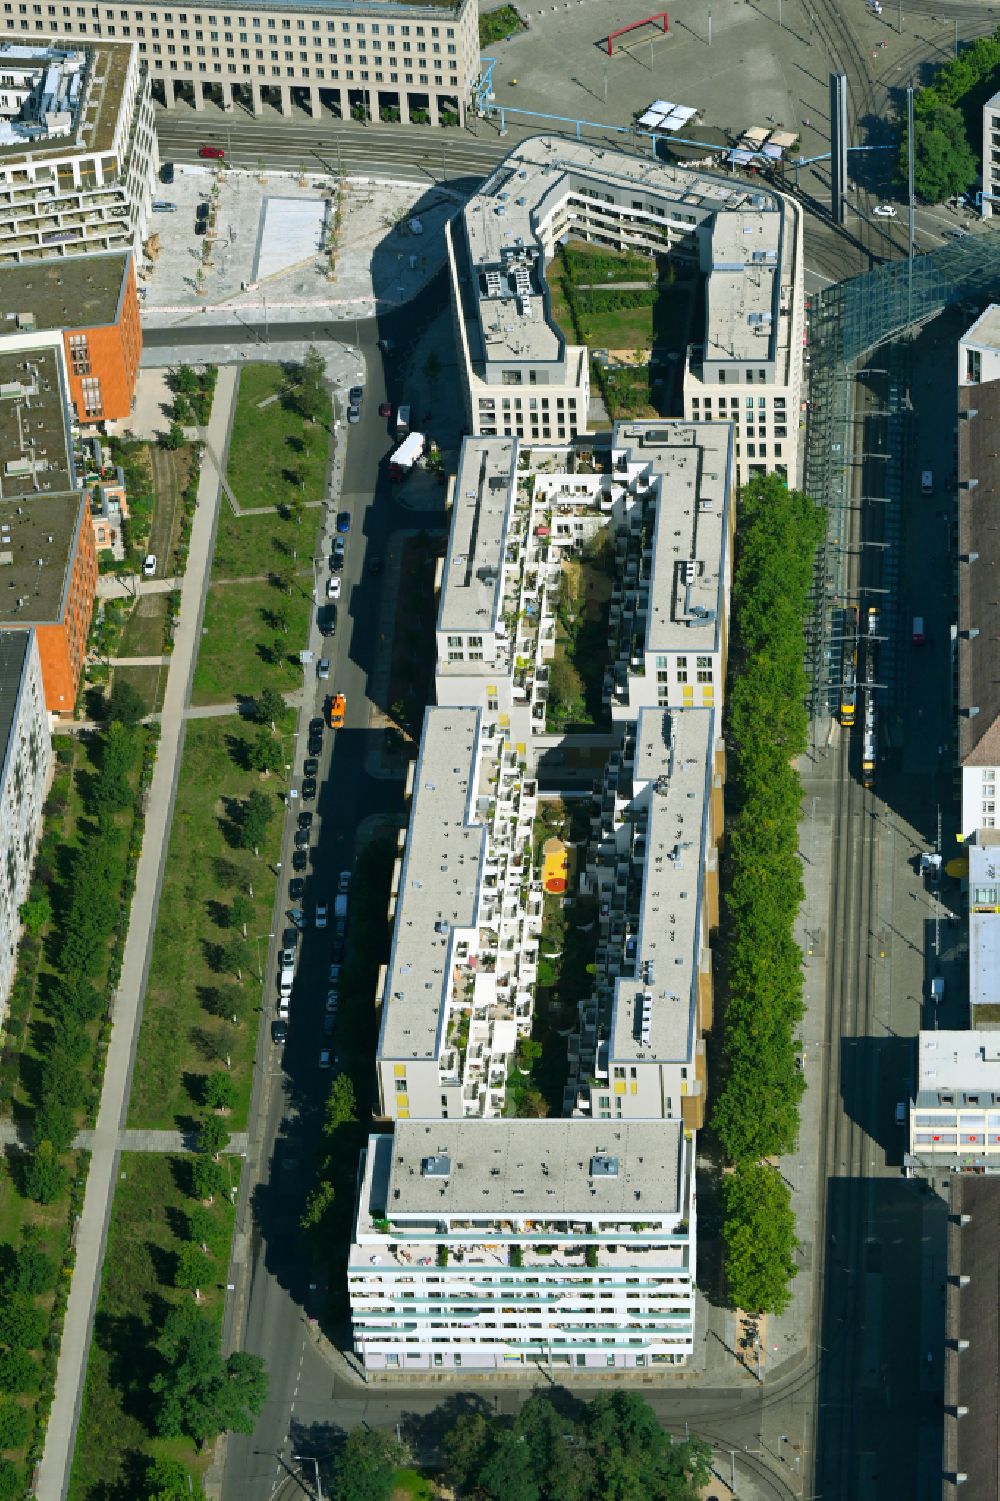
x: 405, y: 456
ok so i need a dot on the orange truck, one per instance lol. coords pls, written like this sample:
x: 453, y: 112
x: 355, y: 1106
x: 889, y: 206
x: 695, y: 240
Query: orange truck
x: 338, y: 707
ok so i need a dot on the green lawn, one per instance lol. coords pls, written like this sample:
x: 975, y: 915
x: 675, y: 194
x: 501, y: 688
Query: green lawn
x: 497, y: 25
x: 143, y: 633
x: 248, y: 546
x: 180, y: 1040
x: 237, y: 628
x: 147, y: 1225
x: 410, y: 1485
x: 149, y: 682
x: 273, y: 452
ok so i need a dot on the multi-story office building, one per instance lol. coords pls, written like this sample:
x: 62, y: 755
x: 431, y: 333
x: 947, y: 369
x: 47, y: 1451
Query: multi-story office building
x: 520, y: 374
x: 971, y: 1396
x: 25, y: 759
x: 639, y: 1052
x: 991, y: 158
x: 954, y: 1121
x: 87, y: 308
x: 458, y: 990
x: 976, y: 659
x: 660, y: 494
x: 78, y: 154
x: 487, y: 1245
x: 48, y: 561
x: 392, y: 58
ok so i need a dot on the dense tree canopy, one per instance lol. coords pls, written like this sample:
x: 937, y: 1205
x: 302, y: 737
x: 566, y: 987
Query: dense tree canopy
x: 759, y: 1238
x: 197, y: 1394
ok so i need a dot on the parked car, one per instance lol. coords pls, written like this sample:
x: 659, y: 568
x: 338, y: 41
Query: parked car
x: 323, y: 668
x: 331, y: 1000
x: 300, y: 860
x: 315, y: 746
x: 316, y: 726
x: 384, y: 409
x: 288, y: 957
x: 310, y: 766
x: 344, y: 521
x: 334, y: 584
x: 325, y: 1058
x: 353, y: 414
x: 296, y: 888
x: 212, y: 154
x: 284, y: 1007
x: 301, y: 838
x: 356, y: 395
x: 149, y: 565
x: 884, y: 211
x: 333, y: 979
x: 305, y: 819
x: 337, y: 555
x: 322, y: 914
x: 309, y: 788
x: 344, y: 883
x: 338, y: 709
x: 937, y: 989
x: 326, y: 619
x: 279, y: 1030
x: 164, y: 206
x: 340, y: 930
x: 203, y: 210
x: 167, y: 173
x: 329, y: 1022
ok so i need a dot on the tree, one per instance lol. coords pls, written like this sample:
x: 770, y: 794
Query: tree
x: 196, y: 1393
x: 758, y: 1234
x: 185, y: 380
x: 204, y: 1230
x: 241, y: 912
x: 310, y: 387
x: 566, y: 701
x: 220, y: 1091
x: 44, y: 1176
x: 213, y: 1135
x: 11, y: 1480
x: 22, y: 1325
x: 264, y: 751
x: 296, y: 511
x: 192, y: 1268
x: 943, y: 161
x: 509, y: 1474
x: 269, y: 707
x: 366, y: 1466
x: 227, y: 1001
x: 234, y: 957
x: 258, y: 811
x: 124, y: 704
x: 174, y: 437
x: 207, y: 1178
x: 465, y: 1447
x: 15, y: 1425
x: 168, y: 1480
x: 27, y: 1270
x: 36, y: 912
x: 18, y: 1372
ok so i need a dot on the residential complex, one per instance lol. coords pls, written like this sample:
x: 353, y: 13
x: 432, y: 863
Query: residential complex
x: 26, y: 760
x: 78, y: 153
x: 955, y: 1118
x: 520, y: 375
x: 495, y: 1244
x: 48, y: 561
x: 991, y: 156
x: 659, y: 497
x: 87, y: 308
x: 386, y: 55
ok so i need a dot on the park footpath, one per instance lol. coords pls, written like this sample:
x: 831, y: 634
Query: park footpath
x: 106, y: 1142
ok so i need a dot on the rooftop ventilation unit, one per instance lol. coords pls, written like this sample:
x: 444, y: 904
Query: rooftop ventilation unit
x: 435, y: 1167
x: 603, y: 1167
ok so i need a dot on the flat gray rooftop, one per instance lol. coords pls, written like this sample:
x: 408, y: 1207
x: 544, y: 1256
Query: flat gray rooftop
x: 673, y: 756
x: 740, y: 293
x: 470, y: 585
x: 34, y: 444
x: 962, y: 1063
x: 80, y: 292
x: 691, y: 465
x: 535, y: 1167
x: 14, y: 646
x: 36, y: 550
x: 984, y: 921
x: 438, y: 885
x: 986, y: 329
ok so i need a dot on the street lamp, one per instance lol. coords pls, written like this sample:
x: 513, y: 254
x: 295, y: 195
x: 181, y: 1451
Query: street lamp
x: 310, y: 1459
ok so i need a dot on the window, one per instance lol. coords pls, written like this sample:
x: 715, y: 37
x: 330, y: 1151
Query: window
x: 704, y: 669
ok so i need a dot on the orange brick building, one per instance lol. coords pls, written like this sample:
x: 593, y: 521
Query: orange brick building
x: 92, y: 303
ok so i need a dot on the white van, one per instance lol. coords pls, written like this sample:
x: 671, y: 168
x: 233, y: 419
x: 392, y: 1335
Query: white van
x: 927, y: 482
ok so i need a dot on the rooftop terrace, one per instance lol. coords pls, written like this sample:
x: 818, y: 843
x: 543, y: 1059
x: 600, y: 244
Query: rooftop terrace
x: 104, y: 76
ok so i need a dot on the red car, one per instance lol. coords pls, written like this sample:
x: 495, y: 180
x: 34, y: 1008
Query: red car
x: 212, y: 153
x: 384, y: 410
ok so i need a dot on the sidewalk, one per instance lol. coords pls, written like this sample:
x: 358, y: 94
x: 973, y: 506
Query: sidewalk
x: 13, y: 1135
x: 53, y: 1471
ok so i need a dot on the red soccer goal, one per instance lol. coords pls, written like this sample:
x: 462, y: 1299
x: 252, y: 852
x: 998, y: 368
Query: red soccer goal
x: 658, y: 15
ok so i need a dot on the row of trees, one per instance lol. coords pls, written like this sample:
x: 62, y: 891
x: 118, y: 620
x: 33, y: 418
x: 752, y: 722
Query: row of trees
x: 90, y: 906
x: 944, y: 115
x: 26, y: 1274
x: 612, y: 1447
x: 756, y: 1115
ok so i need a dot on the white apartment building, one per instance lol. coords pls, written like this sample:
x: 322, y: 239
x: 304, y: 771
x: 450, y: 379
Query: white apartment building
x: 520, y: 375
x: 78, y: 162
x: 458, y: 991
x: 384, y: 55
x: 954, y: 1121
x: 639, y: 1052
x: 486, y: 1245
x: 663, y: 492
x: 26, y: 761
x: 991, y: 156
x: 984, y: 929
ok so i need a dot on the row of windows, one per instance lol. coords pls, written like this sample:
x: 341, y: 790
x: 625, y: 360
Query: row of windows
x: 778, y: 402
x: 271, y: 22
x: 322, y: 75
